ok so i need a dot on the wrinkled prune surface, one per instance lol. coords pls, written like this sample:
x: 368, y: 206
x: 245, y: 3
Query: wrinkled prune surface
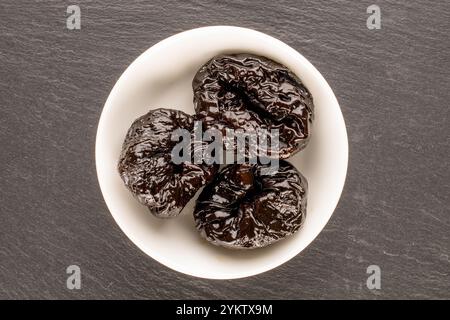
x: 242, y: 208
x: 243, y: 91
x: 146, y: 165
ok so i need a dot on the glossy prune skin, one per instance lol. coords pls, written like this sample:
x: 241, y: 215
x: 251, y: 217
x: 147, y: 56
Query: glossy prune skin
x: 243, y: 209
x: 146, y: 165
x: 248, y: 92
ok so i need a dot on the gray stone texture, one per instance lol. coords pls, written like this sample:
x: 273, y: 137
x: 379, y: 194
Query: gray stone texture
x: 393, y: 88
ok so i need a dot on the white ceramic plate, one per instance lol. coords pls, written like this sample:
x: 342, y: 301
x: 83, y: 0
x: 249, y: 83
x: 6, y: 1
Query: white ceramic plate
x: 161, y: 77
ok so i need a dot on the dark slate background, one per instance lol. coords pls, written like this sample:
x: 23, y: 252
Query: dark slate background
x: 393, y: 88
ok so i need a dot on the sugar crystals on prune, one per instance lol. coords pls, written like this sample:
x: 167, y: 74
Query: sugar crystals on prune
x: 243, y: 208
x: 147, y: 169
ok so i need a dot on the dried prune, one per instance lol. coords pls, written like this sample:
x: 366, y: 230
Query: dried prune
x: 248, y: 92
x: 243, y: 208
x: 146, y: 165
